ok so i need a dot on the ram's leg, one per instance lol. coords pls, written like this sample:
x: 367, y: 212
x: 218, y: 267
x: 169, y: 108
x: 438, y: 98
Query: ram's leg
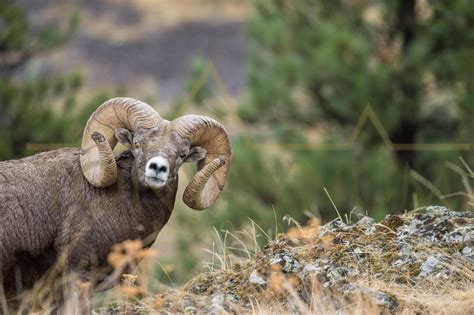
x: 85, y: 291
x: 3, y: 299
x: 79, y: 297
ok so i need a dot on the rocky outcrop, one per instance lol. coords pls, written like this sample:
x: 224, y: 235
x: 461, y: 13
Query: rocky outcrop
x: 419, y: 261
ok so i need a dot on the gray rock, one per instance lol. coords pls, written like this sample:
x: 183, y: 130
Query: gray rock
x: 338, y: 274
x: 386, y: 300
x: 467, y: 251
x: 431, y: 264
x: 232, y: 297
x: 217, y: 300
x: 197, y: 289
x: 311, y: 268
x: 256, y: 278
x: 288, y: 263
x: 347, y: 287
x: 399, y: 262
x: 469, y: 237
x: 437, y: 210
x: 368, y: 224
x: 331, y: 226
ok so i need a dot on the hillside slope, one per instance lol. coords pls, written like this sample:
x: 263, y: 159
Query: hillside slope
x: 415, y: 262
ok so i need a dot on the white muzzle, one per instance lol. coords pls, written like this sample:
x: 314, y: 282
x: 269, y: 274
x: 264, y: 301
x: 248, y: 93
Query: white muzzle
x: 157, y: 170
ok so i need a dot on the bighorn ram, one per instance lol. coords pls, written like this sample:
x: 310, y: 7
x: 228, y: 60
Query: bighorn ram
x: 77, y: 203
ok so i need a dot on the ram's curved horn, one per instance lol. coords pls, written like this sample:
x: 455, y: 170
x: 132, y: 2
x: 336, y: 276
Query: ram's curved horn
x: 97, y: 159
x: 207, y: 184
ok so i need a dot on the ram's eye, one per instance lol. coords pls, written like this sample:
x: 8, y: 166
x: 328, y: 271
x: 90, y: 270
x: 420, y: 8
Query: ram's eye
x: 136, y: 145
x: 183, y: 156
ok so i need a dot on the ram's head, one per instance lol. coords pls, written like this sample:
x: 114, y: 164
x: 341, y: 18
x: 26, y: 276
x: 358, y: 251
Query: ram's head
x: 159, y: 148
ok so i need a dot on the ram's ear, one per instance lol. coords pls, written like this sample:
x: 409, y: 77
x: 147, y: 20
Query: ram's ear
x: 196, y: 154
x: 124, y: 136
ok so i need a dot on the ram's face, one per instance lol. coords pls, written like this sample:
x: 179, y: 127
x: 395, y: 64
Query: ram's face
x: 158, y: 153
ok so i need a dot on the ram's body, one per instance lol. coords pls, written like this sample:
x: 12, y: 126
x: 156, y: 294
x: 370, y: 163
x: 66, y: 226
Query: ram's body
x: 66, y: 208
x: 47, y: 207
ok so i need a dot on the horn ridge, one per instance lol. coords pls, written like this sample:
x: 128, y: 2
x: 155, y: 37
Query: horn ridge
x: 97, y: 158
x: 208, y: 183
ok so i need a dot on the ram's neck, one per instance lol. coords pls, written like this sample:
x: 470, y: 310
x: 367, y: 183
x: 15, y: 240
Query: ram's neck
x: 152, y: 207
x: 165, y: 196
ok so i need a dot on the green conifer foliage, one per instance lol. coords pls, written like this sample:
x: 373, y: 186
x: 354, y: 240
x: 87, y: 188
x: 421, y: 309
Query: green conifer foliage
x: 316, y: 65
x: 27, y: 100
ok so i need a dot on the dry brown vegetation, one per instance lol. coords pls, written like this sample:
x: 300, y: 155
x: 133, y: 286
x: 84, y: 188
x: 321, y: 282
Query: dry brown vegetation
x: 411, y: 263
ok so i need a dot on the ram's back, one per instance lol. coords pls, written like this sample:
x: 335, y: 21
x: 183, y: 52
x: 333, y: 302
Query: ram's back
x: 30, y: 199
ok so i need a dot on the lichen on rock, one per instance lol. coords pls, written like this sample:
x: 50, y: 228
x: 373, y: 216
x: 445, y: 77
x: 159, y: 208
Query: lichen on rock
x: 416, y: 262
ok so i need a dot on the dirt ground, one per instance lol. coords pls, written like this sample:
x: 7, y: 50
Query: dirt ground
x: 146, y: 45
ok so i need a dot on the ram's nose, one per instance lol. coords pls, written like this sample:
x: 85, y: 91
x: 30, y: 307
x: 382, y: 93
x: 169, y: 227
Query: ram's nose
x: 156, y: 171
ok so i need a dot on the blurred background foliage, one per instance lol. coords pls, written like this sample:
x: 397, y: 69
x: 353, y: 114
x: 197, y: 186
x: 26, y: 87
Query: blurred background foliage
x: 36, y: 109
x: 312, y: 68
x: 327, y: 60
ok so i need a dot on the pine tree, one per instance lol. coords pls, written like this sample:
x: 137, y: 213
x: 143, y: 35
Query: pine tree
x: 26, y: 113
x: 316, y: 63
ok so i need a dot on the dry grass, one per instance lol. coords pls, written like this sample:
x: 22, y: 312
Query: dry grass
x: 361, y: 268
x: 419, y: 262
x: 331, y: 269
